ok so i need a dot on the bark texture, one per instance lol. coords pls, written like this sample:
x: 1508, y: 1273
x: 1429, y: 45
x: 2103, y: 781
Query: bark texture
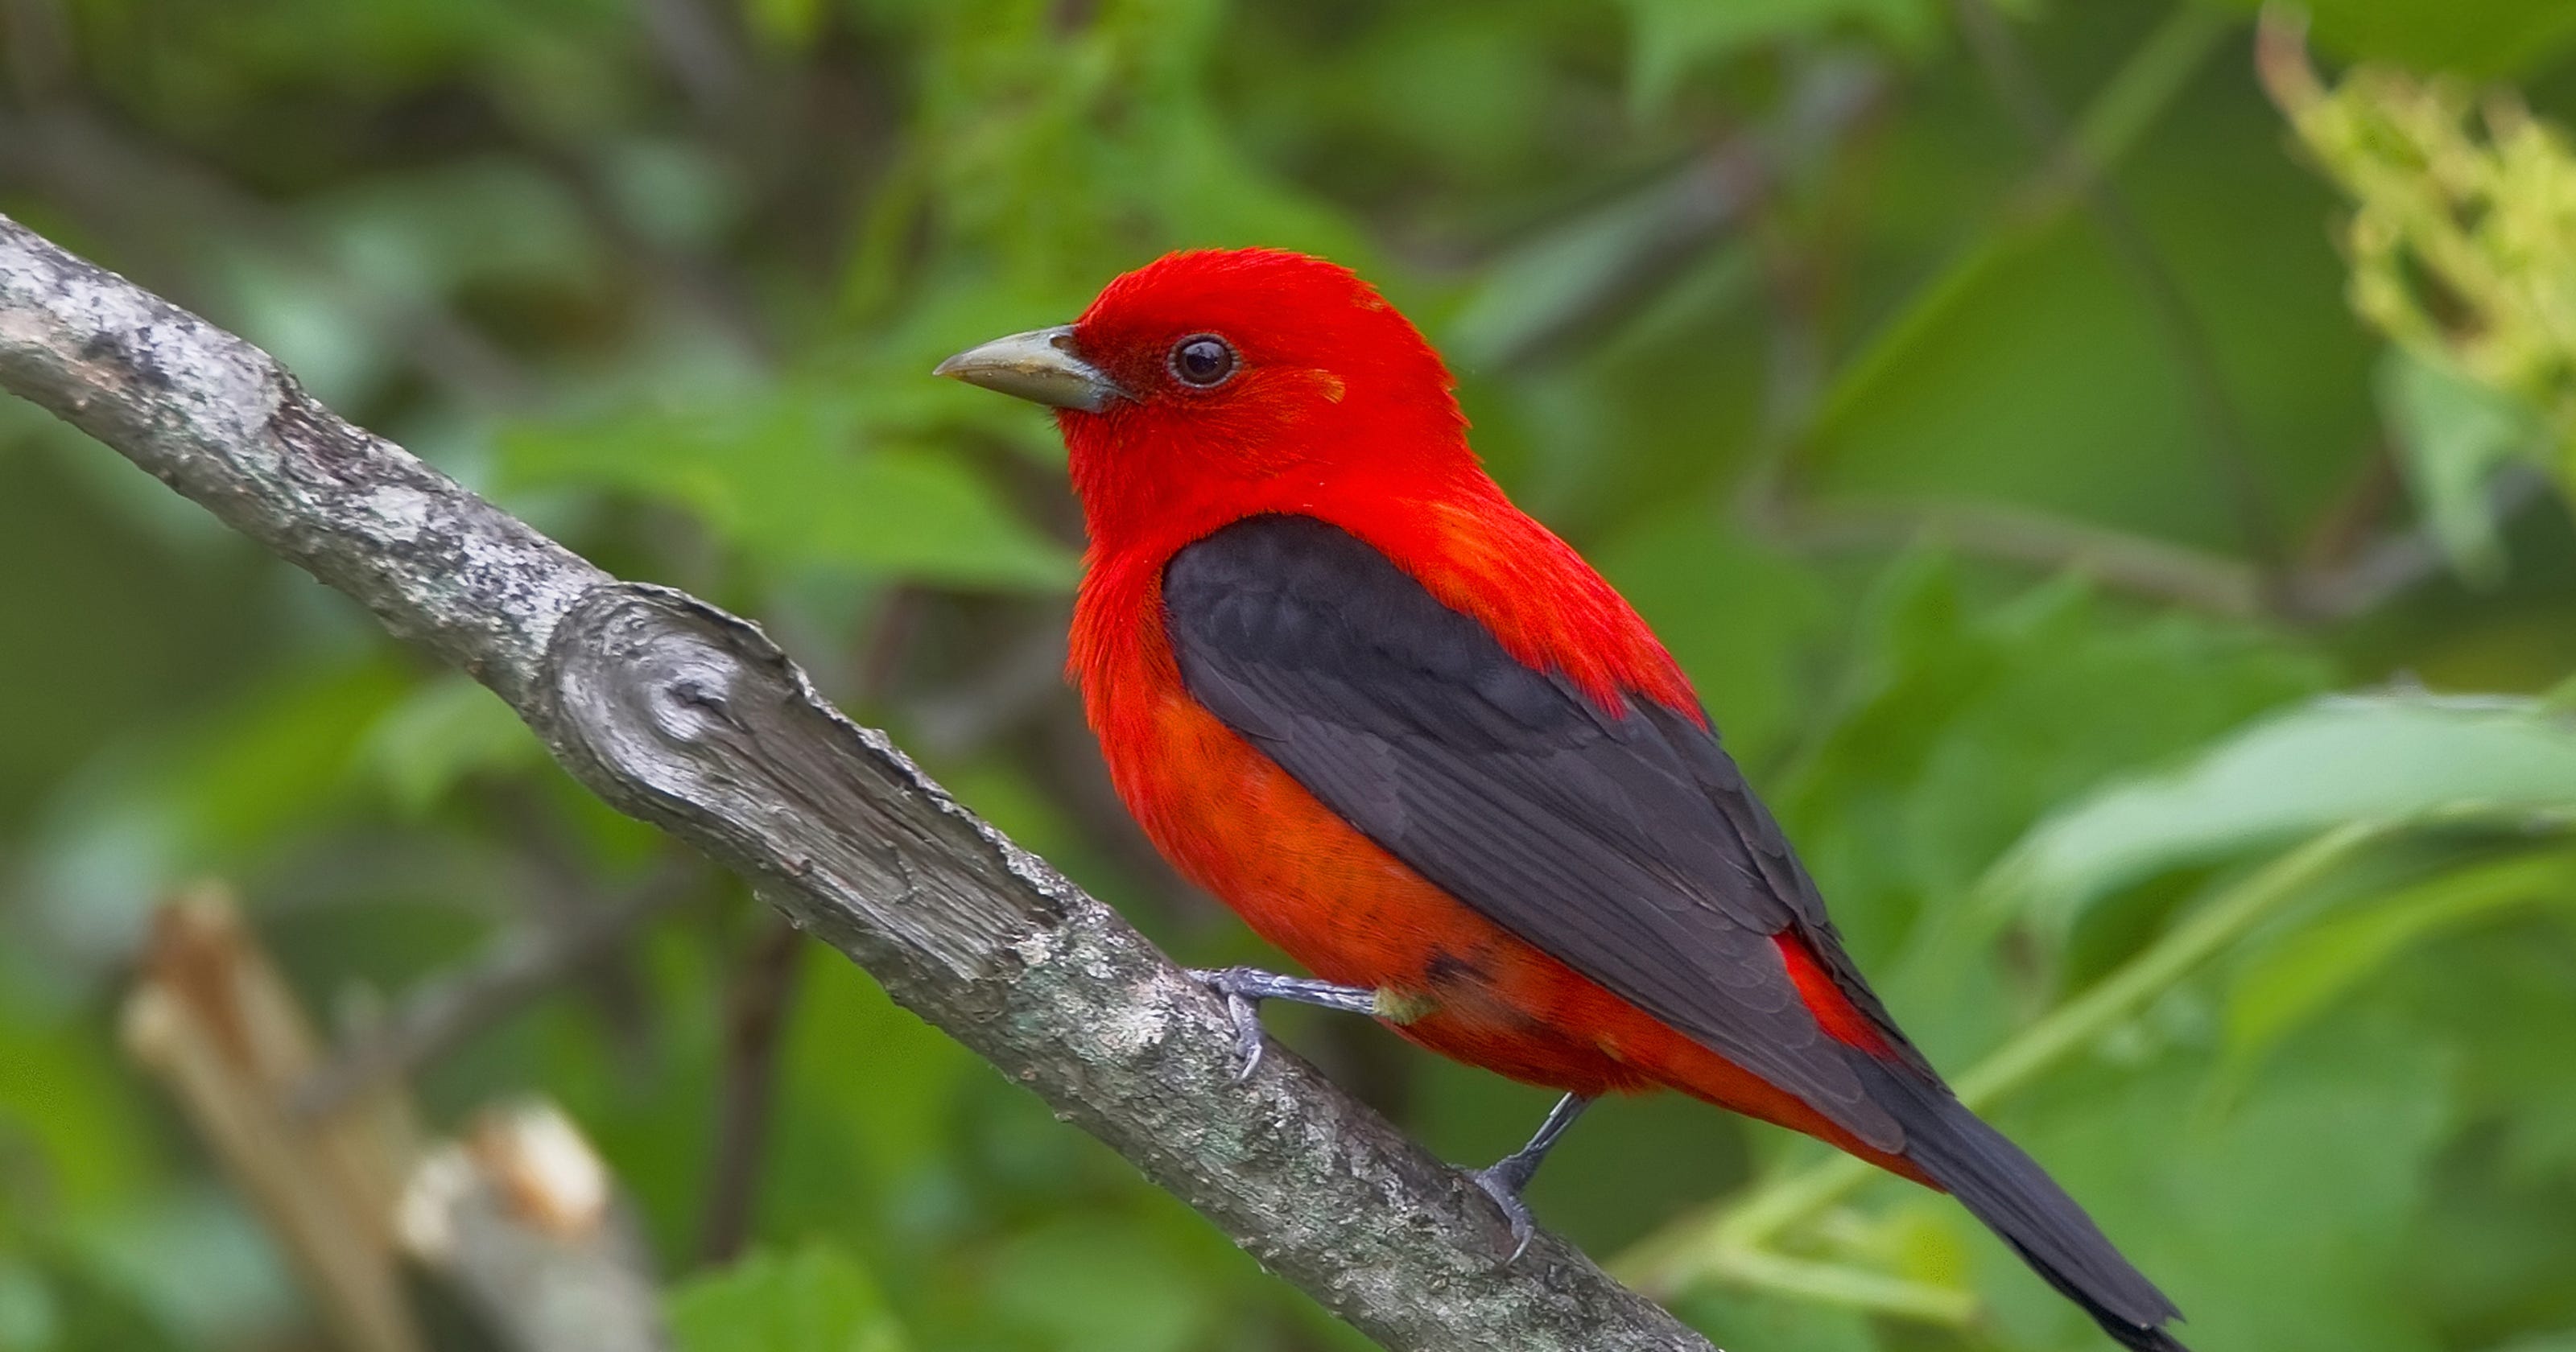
x: 690, y: 718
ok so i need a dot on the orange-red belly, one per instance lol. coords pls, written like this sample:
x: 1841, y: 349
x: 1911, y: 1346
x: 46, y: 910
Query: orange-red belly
x: 1353, y: 914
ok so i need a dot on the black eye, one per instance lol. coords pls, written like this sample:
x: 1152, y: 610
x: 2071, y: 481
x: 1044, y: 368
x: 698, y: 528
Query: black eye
x: 1202, y: 360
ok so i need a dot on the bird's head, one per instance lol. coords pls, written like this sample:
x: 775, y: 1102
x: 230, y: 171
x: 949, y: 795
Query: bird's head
x: 1212, y: 371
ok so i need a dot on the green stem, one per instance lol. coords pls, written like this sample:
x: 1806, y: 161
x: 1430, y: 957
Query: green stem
x: 2108, y: 129
x: 2152, y: 77
x: 1850, y: 1287
x: 1712, y: 1244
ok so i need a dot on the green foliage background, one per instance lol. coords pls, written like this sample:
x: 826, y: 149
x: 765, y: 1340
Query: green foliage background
x: 2025, y: 551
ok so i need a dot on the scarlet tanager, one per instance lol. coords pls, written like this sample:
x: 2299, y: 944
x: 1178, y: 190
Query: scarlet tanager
x: 1421, y: 746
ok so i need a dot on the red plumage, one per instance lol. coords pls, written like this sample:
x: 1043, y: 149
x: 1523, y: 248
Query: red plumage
x: 1300, y: 436
x: 1473, y: 779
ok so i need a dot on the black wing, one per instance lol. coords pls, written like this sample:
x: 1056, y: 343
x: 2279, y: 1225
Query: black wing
x: 1628, y: 847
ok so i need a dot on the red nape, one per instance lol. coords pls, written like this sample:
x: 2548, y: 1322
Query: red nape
x: 1826, y: 1000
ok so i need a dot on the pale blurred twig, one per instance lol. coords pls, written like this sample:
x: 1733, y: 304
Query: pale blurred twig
x: 210, y: 1017
x: 522, y: 1218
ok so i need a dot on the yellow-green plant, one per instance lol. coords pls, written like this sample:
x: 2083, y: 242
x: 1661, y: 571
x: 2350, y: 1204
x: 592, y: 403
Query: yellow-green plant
x: 2462, y: 244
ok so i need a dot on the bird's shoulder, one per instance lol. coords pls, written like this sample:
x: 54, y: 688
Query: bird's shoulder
x: 1449, y: 578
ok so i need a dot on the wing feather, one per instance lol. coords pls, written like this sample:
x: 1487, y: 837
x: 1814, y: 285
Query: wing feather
x: 1625, y: 844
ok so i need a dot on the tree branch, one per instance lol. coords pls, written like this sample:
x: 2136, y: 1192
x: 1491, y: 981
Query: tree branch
x: 690, y: 718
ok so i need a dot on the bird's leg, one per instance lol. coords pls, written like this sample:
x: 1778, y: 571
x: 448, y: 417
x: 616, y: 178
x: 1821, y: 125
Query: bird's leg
x: 1244, y: 988
x: 1504, y: 1179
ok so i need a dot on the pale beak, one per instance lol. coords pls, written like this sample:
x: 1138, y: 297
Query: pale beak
x: 1038, y: 366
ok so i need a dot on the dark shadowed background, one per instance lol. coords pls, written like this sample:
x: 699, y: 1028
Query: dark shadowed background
x: 2115, y: 513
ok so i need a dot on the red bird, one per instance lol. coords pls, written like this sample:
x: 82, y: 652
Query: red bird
x: 1421, y: 746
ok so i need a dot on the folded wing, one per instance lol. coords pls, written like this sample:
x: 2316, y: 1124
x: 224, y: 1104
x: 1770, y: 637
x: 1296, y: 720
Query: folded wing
x: 1622, y: 842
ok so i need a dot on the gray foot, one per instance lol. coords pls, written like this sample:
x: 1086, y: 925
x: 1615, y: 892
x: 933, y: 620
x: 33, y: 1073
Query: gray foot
x: 1244, y: 988
x: 1505, y: 1179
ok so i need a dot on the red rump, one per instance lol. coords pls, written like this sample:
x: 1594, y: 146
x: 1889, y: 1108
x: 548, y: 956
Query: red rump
x: 1833, y: 1009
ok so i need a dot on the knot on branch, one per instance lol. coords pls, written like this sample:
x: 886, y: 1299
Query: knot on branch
x: 691, y: 717
x: 683, y: 715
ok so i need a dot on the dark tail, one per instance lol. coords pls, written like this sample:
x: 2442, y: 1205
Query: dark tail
x: 2019, y: 1202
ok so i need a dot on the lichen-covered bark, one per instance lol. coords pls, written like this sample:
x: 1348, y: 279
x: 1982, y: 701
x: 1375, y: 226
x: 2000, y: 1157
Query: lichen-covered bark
x: 219, y: 421
x: 690, y: 718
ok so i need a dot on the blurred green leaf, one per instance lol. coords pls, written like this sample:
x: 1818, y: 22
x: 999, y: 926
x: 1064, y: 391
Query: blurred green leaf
x: 790, y: 478
x: 278, y: 759
x: 1545, y: 289
x: 1672, y: 38
x: 2546, y: 1342
x: 1744, y: 621
x: 2456, y: 433
x: 456, y: 215
x: 2302, y: 974
x: 447, y: 729
x: 872, y: 1157
x: 74, y: 1137
x: 2339, y: 759
x: 814, y: 1299
x: 57, y: 1305
x: 2029, y: 365
x: 923, y: 513
x: 2505, y: 994
x: 2278, y: 1222
x: 1778, y: 1324
x: 1960, y: 722
x: 2467, y: 37
x: 2032, y: 372
x: 1102, y: 1285
x: 27, y: 1317
x: 788, y: 23
x: 427, y: 233
x: 191, y: 1260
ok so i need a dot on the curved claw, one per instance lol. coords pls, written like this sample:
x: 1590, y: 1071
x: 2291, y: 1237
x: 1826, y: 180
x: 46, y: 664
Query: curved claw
x: 1244, y: 988
x: 1249, y: 1040
x: 1505, y: 1179
x: 1242, y: 1009
x: 1500, y: 1183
